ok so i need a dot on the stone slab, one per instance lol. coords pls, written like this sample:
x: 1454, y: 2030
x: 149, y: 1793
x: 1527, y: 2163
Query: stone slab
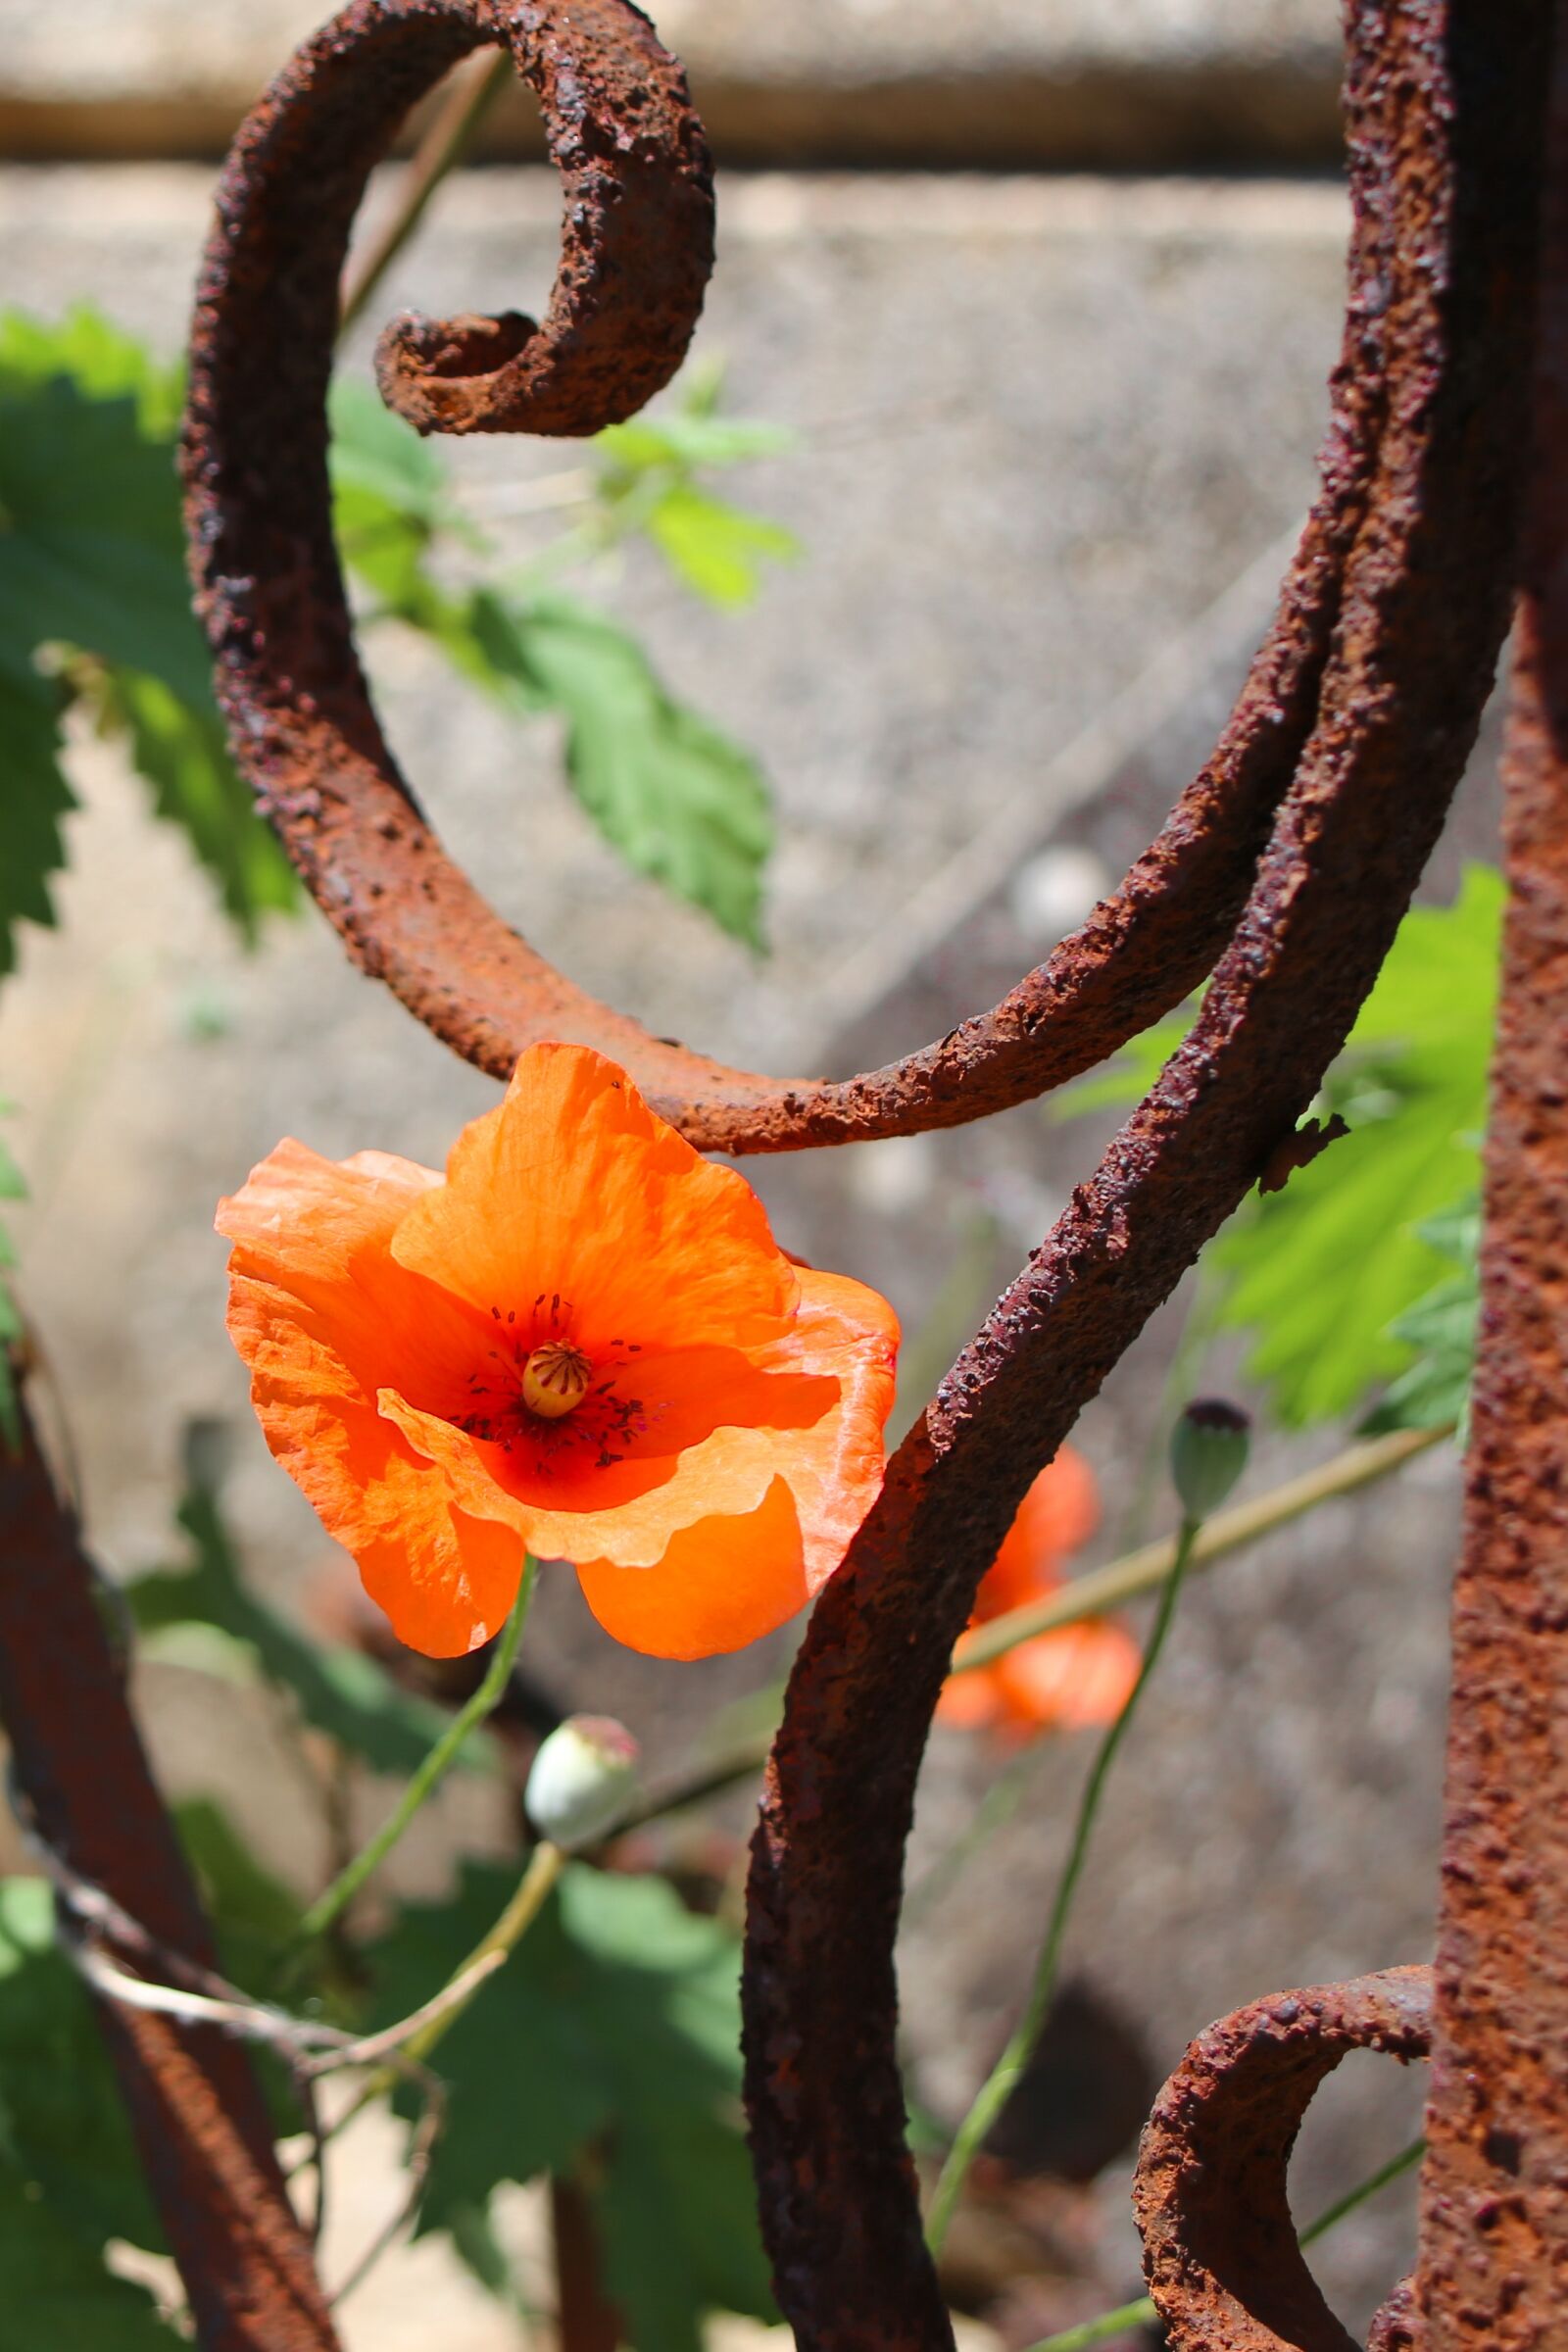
x: 996, y: 83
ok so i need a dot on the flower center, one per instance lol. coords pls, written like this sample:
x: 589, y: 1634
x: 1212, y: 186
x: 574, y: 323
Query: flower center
x: 555, y: 1380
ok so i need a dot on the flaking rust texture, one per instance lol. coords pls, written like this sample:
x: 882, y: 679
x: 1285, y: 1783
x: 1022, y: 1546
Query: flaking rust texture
x: 636, y: 248
x: 201, y: 2123
x: 637, y: 243
x: 1219, y: 2242
x: 1493, y: 2266
x: 1455, y: 115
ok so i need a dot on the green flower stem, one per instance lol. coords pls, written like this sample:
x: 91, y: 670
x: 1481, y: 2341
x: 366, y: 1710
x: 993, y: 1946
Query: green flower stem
x: 1137, y: 1572
x: 328, y: 1905
x: 1112, y: 1587
x: 994, y: 2092
x: 1334, y: 2213
x: 543, y: 1869
x: 1096, y: 2331
x: 1140, y: 2312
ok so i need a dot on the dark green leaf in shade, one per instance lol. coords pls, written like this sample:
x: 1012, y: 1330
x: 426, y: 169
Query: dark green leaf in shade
x: 92, y: 569
x: 607, y: 2047
x: 339, y: 1692
x: 56, y: 2290
x: 91, y: 553
x: 181, y: 754
x: 34, y: 798
x: 62, y: 2125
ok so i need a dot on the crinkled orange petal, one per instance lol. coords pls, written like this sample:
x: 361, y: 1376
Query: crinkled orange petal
x: 364, y: 1297
x: 605, y: 1204
x: 315, y: 1307
x: 843, y: 1339
x: 720, y: 1584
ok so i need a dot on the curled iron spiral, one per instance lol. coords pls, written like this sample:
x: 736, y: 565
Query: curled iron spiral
x: 1283, y: 869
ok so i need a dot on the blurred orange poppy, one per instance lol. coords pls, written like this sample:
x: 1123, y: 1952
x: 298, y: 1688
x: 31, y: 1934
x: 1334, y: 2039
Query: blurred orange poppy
x: 1067, y: 1680
x: 582, y: 1342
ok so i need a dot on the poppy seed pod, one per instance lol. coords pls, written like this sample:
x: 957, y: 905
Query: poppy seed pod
x: 1208, y: 1451
x: 584, y: 1778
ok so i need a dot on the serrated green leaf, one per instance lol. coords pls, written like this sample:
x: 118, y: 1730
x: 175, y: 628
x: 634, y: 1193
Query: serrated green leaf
x: 70, y: 2175
x: 1434, y: 1391
x: 181, y: 754
x: 1326, y: 1271
x: 91, y: 552
x: 92, y: 561
x: 62, y: 2125
x: 1323, y: 1270
x: 716, y: 549
x: 607, y: 2048
x: 339, y: 1692
x: 680, y: 801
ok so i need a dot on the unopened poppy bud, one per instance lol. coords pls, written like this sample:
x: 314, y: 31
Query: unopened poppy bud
x: 555, y: 1380
x: 1208, y: 1451
x: 583, y: 1779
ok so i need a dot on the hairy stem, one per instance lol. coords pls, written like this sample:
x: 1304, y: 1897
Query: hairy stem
x: 998, y: 2086
x: 423, y: 1784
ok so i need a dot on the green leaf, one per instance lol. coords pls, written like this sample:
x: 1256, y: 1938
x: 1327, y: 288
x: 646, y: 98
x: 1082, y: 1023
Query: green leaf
x: 341, y: 1692
x: 91, y: 552
x: 1434, y: 1390
x: 1327, y: 1271
x: 373, y: 452
x: 181, y: 754
x: 687, y: 440
x: 62, y: 2127
x: 1323, y: 1270
x: 679, y: 801
x: 34, y: 802
x: 102, y: 360
x: 716, y: 549
x: 54, y: 2290
x: 92, y: 561
x: 70, y: 2175
x: 607, y: 2048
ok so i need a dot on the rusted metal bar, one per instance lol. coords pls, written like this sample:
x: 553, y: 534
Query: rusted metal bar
x: 1493, y: 2265
x: 1424, y: 610
x: 1220, y: 2248
x: 200, y: 2119
x: 638, y: 243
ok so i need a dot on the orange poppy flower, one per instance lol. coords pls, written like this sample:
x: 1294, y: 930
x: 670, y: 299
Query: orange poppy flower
x: 1078, y: 1675
x: 582, y: 1342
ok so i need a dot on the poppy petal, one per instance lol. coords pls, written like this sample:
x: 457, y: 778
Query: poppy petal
x: 720, y: 1584
x: 445, y: 1579
x: 607, y: 1207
